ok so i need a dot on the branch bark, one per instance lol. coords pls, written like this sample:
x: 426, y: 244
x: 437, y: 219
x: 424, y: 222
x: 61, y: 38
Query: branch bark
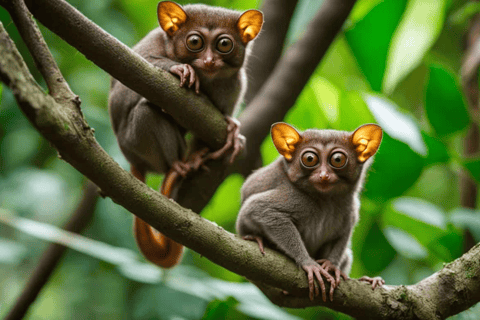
x: 54, y: 253
x: 454, y: 288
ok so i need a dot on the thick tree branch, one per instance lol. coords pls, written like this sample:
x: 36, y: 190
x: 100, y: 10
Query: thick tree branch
x: 122, y: 63
x: 267, y: 49
x: 54, y: 253
x: 434, y: 297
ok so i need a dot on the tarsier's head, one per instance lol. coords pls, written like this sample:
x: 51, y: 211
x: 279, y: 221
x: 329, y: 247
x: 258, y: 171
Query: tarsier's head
x: 211, y: 39
x: 326, y: 161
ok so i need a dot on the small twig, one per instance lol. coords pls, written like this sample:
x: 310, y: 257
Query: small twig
x: 52, y: 256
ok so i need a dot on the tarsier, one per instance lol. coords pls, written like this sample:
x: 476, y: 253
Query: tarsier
x: 306, y: 203
x: 206, y: 48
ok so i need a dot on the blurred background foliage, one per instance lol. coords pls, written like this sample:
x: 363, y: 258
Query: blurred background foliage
x: 396, y: 63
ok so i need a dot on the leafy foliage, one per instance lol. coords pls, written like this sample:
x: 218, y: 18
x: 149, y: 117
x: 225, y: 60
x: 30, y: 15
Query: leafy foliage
x: 394, y: 64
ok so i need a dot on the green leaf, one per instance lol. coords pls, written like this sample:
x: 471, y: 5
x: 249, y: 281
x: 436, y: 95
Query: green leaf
x: 387, y: 177
x: 473, y: 166
x: 437, y: 151
x: 397, y: 124
x: 354, y: 112
x: 444, y: 103
x: 377, y: 253
x: 405, y: 244
x: 420, y: 27
x: 423, y: 220
x: 467, y: 219
x: 370, y: 39
x: 465, y: 13
x: 361, y: 9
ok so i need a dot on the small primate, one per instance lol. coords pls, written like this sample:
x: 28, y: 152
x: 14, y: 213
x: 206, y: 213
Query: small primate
x: 206, y: 48
x: 306, y: 203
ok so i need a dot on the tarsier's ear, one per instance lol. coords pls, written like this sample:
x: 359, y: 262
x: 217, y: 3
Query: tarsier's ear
x: 249, y: 25
x: 285, y: 138
x: 366, y: 140
x: 170, y: 16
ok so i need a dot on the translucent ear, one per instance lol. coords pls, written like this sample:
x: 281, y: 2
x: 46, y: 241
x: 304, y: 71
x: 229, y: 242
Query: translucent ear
x: 249, y: 25
x: 285, y: 138
x: 366, y: 140
x: 170, y: 16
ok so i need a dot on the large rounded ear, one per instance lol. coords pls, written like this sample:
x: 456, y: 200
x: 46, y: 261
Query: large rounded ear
x: 170, y: 16
x: 366, y: 140
x: 249, y: 25
x: 285, y: 138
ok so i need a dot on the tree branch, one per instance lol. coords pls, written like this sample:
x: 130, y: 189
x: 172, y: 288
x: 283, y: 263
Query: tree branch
x: 267, y: 48
x: 54, y: 253
x: 158, y: 86
x: 436, y: 295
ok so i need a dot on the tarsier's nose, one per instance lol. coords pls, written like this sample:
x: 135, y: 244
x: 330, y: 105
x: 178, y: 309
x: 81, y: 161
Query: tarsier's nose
x: 324, y: 176
x: 209, y: 62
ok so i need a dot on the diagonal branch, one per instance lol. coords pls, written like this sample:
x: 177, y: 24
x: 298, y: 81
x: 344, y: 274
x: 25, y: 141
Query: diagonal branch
x: 436, y: 295
x: 267, y: 48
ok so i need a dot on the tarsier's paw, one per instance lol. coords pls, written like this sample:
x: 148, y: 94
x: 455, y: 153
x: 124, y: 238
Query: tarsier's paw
x: 257, y: 239
x: 235, y: 141
x: 376, y: 281
x: 187, y: 76
x: 330, y: 267
x: 314, y: 270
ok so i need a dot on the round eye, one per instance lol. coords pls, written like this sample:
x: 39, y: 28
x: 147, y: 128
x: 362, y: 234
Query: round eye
x: 225, y: 45
x: 338, y: 160
x: 309, y: 159
x: 194, y: 43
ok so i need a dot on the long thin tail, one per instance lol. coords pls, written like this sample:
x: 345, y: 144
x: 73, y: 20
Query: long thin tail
x: 156, y: 247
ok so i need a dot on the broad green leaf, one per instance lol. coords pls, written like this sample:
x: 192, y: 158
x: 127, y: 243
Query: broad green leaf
x: 467, y: 219
x: 420, y: 27
x: 328, y: 98
x: 437, y: 151
x: 473, y: 166
x: 405, y: 244
x: 340, y: 67
x: 387, y: 177
x: 448, y: 247
x: 444, y: 103
x: 377, y: 253
x: 354, y: 112
x: 423, y: 220
x: 361, y: 9
x: 397, y: 124
x: 370, y: 39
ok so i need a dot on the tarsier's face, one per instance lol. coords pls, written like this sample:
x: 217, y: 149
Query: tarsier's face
x: 328, y: 167
x: 212, y: 53
x: 326, y: 162
x: 210, y: 39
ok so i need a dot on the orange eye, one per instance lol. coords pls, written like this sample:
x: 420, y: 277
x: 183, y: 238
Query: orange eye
x: 338, y: 160
x: 195, y: 43
x: 309, y: 159
x: 225, y: 45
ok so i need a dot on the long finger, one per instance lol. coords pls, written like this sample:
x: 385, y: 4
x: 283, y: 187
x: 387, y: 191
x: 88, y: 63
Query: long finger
x: 322, y: 285
x: 197, y: 84
x: 310, y: 284
x: 185, y: 75
x: 192, y: 76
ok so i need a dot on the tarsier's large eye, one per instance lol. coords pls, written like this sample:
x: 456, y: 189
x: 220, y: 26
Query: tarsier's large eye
x: 338, y: 160
x: 225, y: 45
x: 309, y: 159
x: 195, y: 43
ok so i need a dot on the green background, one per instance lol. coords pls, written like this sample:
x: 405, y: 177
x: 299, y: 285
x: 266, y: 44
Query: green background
x: 396, y: 63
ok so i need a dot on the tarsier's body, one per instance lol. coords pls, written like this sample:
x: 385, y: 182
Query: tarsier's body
x: 206, y: 48
x: 306, y: 203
